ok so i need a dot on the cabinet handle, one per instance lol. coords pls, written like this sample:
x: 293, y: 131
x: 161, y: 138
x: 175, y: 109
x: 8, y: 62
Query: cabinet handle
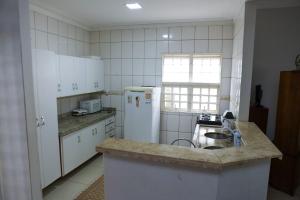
x: 78, y: 139
x: 58, y: 87
x: 43, y: 121
x: 76, y: 86
x: 73, y: 86
x: 96, y: 131
x: 93, y: 131
x: 37, y: 122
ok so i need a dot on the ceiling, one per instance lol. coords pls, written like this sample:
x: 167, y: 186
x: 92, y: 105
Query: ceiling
x: 98, y: 13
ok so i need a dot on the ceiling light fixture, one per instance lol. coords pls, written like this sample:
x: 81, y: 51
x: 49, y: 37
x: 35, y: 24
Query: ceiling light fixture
x: 133, y: 6
x: 166, y: 36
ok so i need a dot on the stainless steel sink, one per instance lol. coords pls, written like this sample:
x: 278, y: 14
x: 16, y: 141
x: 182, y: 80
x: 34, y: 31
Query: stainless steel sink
x: 213, y: 147
x: 217, y: 136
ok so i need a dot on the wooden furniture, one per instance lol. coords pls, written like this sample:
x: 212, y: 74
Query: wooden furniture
x: 259, y: 115
x: 46, y: 115
x: 284, y: 173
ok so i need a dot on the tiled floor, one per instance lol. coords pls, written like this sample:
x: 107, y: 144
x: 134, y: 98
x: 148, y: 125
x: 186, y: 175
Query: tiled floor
x: 69, y: 187
x: 277, y: 195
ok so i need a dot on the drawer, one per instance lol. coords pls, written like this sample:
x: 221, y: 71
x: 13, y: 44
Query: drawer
x: 109, y: 127
x: 110, y: 134
x: 110, y: 120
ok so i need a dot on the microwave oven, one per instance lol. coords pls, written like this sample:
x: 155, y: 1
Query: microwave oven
x: 92, y: 106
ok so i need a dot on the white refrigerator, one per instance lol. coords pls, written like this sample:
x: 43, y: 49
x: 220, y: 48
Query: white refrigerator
x: 142, y: 114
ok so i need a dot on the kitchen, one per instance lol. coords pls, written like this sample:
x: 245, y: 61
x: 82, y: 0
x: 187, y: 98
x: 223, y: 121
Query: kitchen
x: 83, y: 64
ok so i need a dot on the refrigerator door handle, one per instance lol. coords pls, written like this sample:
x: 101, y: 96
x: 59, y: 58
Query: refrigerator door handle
x: 137, y: 101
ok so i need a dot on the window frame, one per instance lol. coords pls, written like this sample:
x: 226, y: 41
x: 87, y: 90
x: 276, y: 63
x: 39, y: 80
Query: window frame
x: 191, y: 85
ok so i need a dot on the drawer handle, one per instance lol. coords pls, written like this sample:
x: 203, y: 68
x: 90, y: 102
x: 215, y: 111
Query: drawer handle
x: 78, y: 139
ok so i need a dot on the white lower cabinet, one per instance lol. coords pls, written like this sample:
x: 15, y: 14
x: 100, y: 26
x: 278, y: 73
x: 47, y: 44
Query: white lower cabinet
x: 110, y: 127
x: 78, y: 147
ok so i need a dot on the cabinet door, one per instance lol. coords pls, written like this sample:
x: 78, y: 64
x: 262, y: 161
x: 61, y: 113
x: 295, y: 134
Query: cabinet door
x: 71, y: 151
x: 88, y: 142
x: 46, y: 91
x: 79, y: 75
x: 90, y: 74
x: 99, y: 75
x: 58, y: 78
x: 66, y: 68
x: 100, y: 133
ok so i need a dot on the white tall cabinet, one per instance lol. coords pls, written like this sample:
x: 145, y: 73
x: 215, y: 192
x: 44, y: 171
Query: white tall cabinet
x: 45, y: 91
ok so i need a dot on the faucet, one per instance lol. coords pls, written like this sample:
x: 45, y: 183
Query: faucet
x: 230, y: 130
x: 230, y: 123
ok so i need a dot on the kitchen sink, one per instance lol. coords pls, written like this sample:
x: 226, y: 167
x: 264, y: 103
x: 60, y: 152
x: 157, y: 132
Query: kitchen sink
x: 216, y: 135
x: 213, y: 147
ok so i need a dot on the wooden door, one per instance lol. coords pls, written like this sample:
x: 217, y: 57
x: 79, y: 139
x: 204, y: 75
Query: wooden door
x: 288, y: 113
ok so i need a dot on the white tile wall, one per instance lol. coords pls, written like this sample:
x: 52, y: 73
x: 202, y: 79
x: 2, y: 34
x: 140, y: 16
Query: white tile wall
x: 67, y: 104
x: 58, y: 36
x: 133, y: 57
x: 237, y: 60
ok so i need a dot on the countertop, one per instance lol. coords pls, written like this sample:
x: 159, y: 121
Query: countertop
x: 69, y: 124
x: 256, y: 146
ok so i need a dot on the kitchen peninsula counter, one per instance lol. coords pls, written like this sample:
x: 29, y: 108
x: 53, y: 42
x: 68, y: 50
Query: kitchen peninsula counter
x: 164, y: 172
x: 256, y: 146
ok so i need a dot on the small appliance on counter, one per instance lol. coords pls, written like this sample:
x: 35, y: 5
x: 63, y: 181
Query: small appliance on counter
x: 79, y: 112
x: 228, y: 115
x: 92, y: 106
x: 207, y: 119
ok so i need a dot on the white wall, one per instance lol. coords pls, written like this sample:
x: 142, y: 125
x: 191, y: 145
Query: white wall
x: 132, y: 56
x: 277, y: 43
x: 58, y: 36
x: 14, y: 158
x: 237, y: 62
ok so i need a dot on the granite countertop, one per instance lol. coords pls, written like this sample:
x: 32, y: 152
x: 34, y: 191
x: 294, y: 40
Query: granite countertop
x: 256, y: 146
x: 68, y: 124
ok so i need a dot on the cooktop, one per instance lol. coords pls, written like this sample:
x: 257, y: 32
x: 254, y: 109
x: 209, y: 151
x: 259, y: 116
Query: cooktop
x: 209, y: 119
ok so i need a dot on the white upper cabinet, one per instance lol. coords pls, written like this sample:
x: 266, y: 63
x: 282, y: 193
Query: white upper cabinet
x: 95, y: 75
x: 67, y: 72
x: 100, y: 75
x: 79, y: 75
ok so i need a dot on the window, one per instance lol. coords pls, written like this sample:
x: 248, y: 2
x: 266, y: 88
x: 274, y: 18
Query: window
x: 191, y: 83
